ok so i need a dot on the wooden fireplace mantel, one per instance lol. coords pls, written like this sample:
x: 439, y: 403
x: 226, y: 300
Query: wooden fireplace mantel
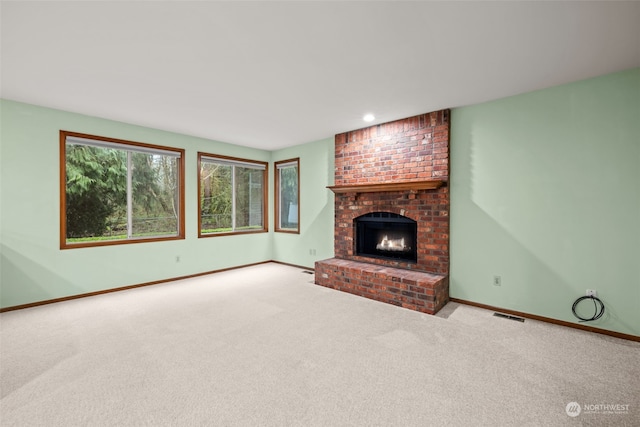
x: 430, y: 184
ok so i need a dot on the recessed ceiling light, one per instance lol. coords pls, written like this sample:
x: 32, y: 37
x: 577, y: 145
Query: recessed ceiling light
x: 368, y: 117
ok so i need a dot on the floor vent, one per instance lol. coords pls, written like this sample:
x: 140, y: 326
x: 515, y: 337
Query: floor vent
x: 506, y: 316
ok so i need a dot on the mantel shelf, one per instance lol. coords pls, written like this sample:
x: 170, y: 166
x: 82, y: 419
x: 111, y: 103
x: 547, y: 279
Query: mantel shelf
x: 431, y: 184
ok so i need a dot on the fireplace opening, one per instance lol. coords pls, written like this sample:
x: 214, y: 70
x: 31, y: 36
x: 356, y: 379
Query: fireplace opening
x: 386, y: 235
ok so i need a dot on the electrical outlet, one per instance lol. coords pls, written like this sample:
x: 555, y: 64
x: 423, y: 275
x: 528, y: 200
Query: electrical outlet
x: 497, y: 280
x: 592, y: 293
x: 177, y: 258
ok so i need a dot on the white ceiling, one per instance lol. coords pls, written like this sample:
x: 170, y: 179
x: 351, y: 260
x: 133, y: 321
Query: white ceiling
x: 275, y: 74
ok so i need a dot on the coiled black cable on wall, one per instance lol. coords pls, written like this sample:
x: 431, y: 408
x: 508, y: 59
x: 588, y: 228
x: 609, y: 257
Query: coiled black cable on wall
x: 599, y: 311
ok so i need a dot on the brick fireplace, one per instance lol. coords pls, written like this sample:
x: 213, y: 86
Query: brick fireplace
x: 396, y: 170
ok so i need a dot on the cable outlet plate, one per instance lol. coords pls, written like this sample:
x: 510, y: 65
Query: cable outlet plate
x: 592, y: 293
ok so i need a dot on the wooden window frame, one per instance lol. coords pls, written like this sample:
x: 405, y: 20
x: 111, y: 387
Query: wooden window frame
x: 63, y: 192
x: 277, y: 196
x: 265, y: 194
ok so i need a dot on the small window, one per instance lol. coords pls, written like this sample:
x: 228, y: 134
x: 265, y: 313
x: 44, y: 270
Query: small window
x: 115, y: 192
x: 232, y: 195
x: 287, y: 196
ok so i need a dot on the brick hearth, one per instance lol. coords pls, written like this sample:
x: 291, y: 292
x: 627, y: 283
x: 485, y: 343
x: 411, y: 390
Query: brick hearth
x: 412, y: 151
x: 414, y: 290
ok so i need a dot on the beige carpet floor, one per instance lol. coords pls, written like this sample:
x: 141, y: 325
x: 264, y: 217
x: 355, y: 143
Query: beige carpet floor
x: 263, y: 346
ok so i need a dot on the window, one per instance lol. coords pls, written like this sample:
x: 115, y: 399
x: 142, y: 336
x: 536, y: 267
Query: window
x: 115, y: 192
x: 232, y: 195
x: 288, y: 196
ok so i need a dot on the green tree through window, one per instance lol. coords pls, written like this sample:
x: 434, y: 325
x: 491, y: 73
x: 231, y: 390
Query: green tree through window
x: 287, y: 184
x: 119, y: 191
x: 232, y: 195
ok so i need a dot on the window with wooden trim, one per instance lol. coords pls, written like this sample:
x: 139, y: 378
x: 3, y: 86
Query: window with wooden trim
x: 115, y: 192
x: 232, y: 195
x: 287, y: 193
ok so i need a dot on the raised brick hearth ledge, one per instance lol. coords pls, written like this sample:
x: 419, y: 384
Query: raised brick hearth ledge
x: 415, y: 290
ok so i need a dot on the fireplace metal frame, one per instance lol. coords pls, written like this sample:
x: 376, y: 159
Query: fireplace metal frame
x: 383, y: 218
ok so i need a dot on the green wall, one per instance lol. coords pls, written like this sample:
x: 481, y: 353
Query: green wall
x: 33, y: 268
x: 315, y: 241
x: 545, y: 192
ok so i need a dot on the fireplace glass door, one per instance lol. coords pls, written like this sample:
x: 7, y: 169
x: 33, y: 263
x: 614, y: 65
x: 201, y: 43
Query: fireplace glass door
x: 386, y: 235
